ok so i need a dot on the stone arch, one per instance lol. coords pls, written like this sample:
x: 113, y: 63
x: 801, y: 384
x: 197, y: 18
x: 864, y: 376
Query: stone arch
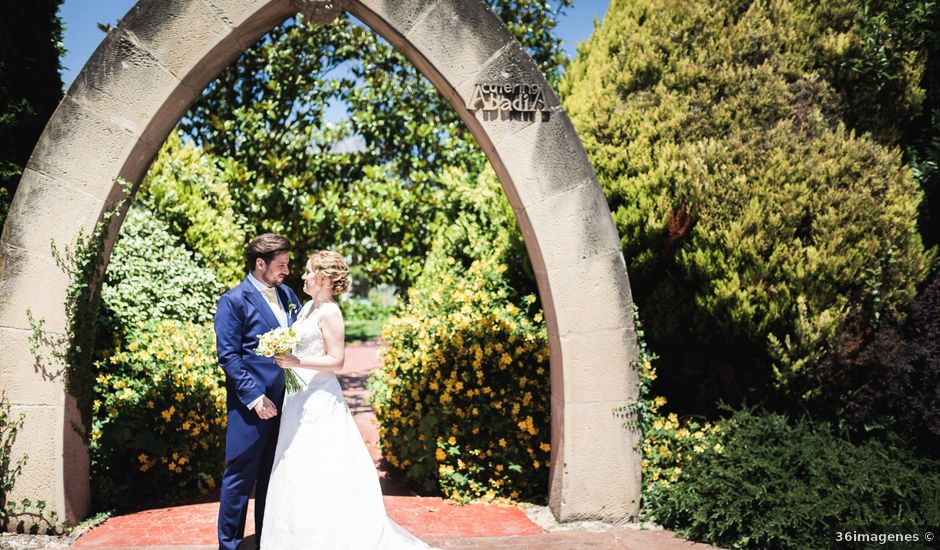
x: 140, y: 82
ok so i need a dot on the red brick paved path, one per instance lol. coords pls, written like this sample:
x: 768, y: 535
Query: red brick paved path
x: 432, y: 519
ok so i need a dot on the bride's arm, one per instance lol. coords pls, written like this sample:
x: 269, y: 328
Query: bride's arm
x: 334, y: 334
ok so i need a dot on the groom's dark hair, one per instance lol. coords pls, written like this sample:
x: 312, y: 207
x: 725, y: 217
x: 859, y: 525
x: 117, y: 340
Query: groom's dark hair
x: 266, y: 247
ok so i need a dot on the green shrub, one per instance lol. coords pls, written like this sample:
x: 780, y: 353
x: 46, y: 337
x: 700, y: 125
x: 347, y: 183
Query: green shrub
x: 670, y: 444
x: 186, y: 188
x: 467, y: 357
x: 755, y: 480
x: 364, y: 309
x: 5, y: 201
x: 777, y: 484
x: 885, y: 68
x: 478, y: 224
x: 152, y: 276
x: 158, y: 410
x: 752, y: 221
x: 359, y: 330
x: 462, y: 397
x: 159, y: 416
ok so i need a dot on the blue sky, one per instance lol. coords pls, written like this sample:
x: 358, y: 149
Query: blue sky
x: 82, y: 35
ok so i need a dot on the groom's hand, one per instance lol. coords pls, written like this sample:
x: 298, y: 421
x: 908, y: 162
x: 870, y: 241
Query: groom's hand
x: 266, y: 409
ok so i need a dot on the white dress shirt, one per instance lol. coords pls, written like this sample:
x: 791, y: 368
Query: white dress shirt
x: 278, y: 312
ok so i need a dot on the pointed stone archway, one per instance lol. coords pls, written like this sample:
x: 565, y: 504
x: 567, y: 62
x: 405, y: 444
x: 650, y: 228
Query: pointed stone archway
x: 140, y: 82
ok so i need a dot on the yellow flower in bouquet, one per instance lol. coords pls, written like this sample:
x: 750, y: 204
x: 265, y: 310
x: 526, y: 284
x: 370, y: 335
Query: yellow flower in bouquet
x: 281, y: 341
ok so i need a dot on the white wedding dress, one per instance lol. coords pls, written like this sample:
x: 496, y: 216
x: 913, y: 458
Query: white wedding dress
x: 324, y: 491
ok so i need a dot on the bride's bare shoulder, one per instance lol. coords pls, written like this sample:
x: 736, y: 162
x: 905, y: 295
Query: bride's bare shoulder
x: 331, y: 308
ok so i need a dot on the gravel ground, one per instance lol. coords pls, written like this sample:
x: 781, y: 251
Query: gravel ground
x: 543, y: 517
x: 12, y: 541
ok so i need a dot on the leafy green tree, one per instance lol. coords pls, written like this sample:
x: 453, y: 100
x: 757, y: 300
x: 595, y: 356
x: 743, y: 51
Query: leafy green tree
x: 752, y: 219
x: 30, y: 83
x: 367, y: 184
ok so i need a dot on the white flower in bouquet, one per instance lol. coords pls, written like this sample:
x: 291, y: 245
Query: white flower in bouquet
x: 281, y: 341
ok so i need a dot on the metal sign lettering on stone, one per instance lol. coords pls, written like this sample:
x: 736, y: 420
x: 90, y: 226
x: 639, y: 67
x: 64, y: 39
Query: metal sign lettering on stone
x: 512, y: 100
x: 319, y: 12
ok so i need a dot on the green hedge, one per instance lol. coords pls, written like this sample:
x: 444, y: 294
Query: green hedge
x: 780, y: 484
x: 358, y: 330
x: 364, y: 318
x: 365, y: 309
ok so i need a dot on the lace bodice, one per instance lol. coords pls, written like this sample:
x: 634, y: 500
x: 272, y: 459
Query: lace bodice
x: 309, y: 335
x: 310, y: 339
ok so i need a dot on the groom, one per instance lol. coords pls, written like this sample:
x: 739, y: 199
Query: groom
x: 255, y: 384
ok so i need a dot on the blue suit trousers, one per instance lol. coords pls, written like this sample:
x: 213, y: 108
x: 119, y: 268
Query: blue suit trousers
x: 246, y: 472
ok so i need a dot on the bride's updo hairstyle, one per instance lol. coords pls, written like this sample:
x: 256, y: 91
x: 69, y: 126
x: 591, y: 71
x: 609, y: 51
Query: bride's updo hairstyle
x: 331, y: 264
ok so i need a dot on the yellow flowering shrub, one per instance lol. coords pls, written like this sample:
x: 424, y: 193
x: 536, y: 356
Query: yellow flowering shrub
x: 158, y: 429
x: 670, y: 443
x: 462, y: 396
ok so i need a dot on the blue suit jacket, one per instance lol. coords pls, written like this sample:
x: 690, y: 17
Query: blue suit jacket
x: 242, y: 316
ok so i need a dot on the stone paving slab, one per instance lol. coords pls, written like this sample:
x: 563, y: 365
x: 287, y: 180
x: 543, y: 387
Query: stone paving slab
x: 433, y: 517
x: 614, y: 539
x: 176, y: 526
x: 195, y: 524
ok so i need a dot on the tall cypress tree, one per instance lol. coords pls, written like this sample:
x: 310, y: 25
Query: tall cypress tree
x: 30, y: 82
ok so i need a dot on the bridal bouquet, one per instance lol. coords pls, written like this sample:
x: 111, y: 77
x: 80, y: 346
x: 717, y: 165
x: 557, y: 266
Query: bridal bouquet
x: 281, y: 341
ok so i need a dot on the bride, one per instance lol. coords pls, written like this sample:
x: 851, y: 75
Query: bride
x: 324, y: 491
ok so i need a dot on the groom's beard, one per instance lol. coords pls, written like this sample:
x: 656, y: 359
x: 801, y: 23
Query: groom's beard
x: 273, y: 278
